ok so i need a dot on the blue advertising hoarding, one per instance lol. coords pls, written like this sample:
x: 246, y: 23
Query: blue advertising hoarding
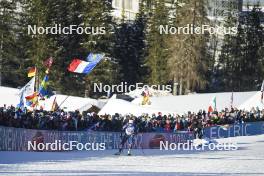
x: 243, y: 129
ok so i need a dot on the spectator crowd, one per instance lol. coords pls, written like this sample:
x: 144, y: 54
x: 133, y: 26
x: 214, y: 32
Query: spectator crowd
x: 75, y: 121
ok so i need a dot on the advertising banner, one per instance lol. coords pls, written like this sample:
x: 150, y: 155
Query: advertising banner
x: 244, y: 129
x: 18, y: 139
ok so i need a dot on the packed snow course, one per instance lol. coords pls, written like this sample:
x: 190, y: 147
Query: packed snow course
x: 247, y: 160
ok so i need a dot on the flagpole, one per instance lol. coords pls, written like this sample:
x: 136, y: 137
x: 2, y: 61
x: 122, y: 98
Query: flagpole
x: 232, y: 100
x: 35, y: 84
x: 37, y: 87
x: 53, y: 108
x: 63, y: 101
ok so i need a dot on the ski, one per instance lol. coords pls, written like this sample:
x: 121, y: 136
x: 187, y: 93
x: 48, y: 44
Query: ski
x: 118, y: 154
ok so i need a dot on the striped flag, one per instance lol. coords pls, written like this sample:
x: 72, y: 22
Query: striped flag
x: 79, y: 66
x: 32, y: 100
x: 48, y: 64
x: 43, y: 90
x: 212, y: 106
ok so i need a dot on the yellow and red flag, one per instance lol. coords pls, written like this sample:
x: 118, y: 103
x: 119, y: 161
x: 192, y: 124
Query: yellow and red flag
x: 32, y: 100
x: 32, y: 72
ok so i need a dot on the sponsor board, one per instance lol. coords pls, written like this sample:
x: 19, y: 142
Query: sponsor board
x: 243, y: 129
x: 18, y: 139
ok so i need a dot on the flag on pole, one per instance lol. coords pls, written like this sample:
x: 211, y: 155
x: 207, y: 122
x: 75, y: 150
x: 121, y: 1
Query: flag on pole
x: 32, y: 100
x: 21, y: 104
x: 55, y: 105
x: 32, y: 72
x: 43, y: 90
x: 79, y: 66
x: 232, y: 99
x: 48, y: 64
x: 212, y: 106
x: 28, y: 89
x: 262, y: 91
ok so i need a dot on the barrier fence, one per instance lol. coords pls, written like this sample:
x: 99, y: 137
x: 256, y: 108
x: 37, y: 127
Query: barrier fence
x: 244, y: 129
x: 17, y: 139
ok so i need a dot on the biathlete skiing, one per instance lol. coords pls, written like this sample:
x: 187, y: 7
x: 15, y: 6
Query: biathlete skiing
x: 129, y: 132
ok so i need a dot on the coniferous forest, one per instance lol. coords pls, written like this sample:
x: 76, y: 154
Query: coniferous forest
x: 135, y: 50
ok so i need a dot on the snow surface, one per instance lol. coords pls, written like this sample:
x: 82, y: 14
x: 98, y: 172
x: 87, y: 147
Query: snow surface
x: 137, y: 92
x: 254, y: 101
x: 247, y: 160
x: 161, y: 102
x: 9, y: 96
x: 176, y: 104
x: 124, y: 107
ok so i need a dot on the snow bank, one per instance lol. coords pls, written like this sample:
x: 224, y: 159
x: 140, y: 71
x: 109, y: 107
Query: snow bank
x: 196, y: 102
x: 157, y: 93
x: 124, y: 107
x: 161, y: 102
x: 9, y: 96
x: 176, y: 104
x: 253, y: 101
x: 70, y: 103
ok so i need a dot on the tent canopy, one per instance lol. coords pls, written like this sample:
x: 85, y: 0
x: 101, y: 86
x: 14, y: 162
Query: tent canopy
x: 175, y: 104
x: 253, y: 101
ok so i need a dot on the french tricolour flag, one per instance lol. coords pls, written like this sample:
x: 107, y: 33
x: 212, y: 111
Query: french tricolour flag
x: 80, y: 66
